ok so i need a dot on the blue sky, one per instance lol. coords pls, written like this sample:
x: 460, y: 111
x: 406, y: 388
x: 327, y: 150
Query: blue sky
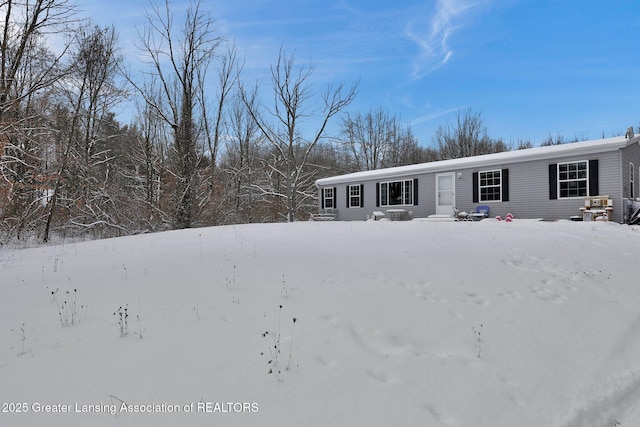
x: 530, y: 67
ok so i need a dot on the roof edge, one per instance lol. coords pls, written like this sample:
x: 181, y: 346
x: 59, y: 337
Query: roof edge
x: 535, y: 153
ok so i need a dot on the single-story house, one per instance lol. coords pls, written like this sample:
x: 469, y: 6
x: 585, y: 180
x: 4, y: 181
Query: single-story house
x: 550, y: 182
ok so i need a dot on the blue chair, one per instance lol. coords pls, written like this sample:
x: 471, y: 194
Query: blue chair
x: 481, y: 212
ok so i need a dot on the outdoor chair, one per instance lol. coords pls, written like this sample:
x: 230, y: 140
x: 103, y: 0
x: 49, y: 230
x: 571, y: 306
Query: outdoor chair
x: 460, y: 215
x: 481, y: 212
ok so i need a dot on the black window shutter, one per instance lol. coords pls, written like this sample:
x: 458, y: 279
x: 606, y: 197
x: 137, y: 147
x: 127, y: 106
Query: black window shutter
x: 476, y: 185
x: 415, y: 191
x: 335, y: 198
x: 348, y: 197
x: 362, y: 195
x: 553, y: 182
x: 322, y: 198
x: 505, y: 185
x: 377, y: 194
x: 594, y: 189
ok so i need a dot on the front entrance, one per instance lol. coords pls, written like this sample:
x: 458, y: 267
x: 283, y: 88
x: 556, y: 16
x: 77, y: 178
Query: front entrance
x: 445, y: 193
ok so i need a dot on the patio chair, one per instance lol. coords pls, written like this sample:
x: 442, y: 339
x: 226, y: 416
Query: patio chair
x: 460, y: 215
x: 481, y: 212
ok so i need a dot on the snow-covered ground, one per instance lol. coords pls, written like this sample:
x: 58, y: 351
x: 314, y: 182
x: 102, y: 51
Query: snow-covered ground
x: 397, y: 324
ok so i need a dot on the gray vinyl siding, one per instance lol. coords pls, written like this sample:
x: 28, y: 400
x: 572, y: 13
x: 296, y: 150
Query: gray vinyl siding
x: 427, y: 196
x: 370, y: 200
x: 630, y: 154
x: 528, y: 186
x: 528, y: 191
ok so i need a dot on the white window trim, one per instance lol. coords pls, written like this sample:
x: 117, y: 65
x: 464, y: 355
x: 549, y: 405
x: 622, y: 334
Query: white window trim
x: 569, y: 180
x: 359, y: 196
x: 325, y: 198
x: 403, y: 190
x: 480, y: 186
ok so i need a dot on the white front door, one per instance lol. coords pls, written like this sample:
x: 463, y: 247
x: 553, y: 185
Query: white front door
x: 445, y: 193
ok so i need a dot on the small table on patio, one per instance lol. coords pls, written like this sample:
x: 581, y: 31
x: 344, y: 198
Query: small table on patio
x: 397, y: 214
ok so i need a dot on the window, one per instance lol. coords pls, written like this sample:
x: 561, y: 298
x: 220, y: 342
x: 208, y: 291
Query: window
x: 355, y: 196
x: 396, y: 193
x: 328, y: 198
x: 490, y: 185
x: 573, y: 179
x: 632, y: 181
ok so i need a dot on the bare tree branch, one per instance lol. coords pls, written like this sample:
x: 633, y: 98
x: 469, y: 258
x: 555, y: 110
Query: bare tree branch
x: 292, y: 96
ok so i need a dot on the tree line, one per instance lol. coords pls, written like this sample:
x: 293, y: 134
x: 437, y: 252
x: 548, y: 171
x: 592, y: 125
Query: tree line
x: 201, y: 148
x: 194, y: 153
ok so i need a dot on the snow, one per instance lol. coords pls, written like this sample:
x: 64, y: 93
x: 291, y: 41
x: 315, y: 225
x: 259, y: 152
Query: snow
x: 483, y: 323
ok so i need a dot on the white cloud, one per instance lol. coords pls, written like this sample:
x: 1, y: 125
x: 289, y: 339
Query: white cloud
x: 425, y: 118
x: 432, y: 36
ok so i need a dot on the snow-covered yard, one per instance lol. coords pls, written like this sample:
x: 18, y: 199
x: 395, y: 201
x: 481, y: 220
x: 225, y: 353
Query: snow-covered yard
x: 396, y: 324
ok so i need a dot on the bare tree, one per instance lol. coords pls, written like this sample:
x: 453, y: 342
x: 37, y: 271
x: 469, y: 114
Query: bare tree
x: 92, y: 90
x: 523, y: 144
x: 290, y: 179
x: 378, y: 140
x: 23, y: 28
x: 467, y: 138
x: 405, y: 150
x: 368, y: 137
x: 28, y: 70
x: 228, y: 75
x: 557, y: 139
x: 243, y: 153
x: 179, y: 60
x: 145, y: 168
x: 213, y: 125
